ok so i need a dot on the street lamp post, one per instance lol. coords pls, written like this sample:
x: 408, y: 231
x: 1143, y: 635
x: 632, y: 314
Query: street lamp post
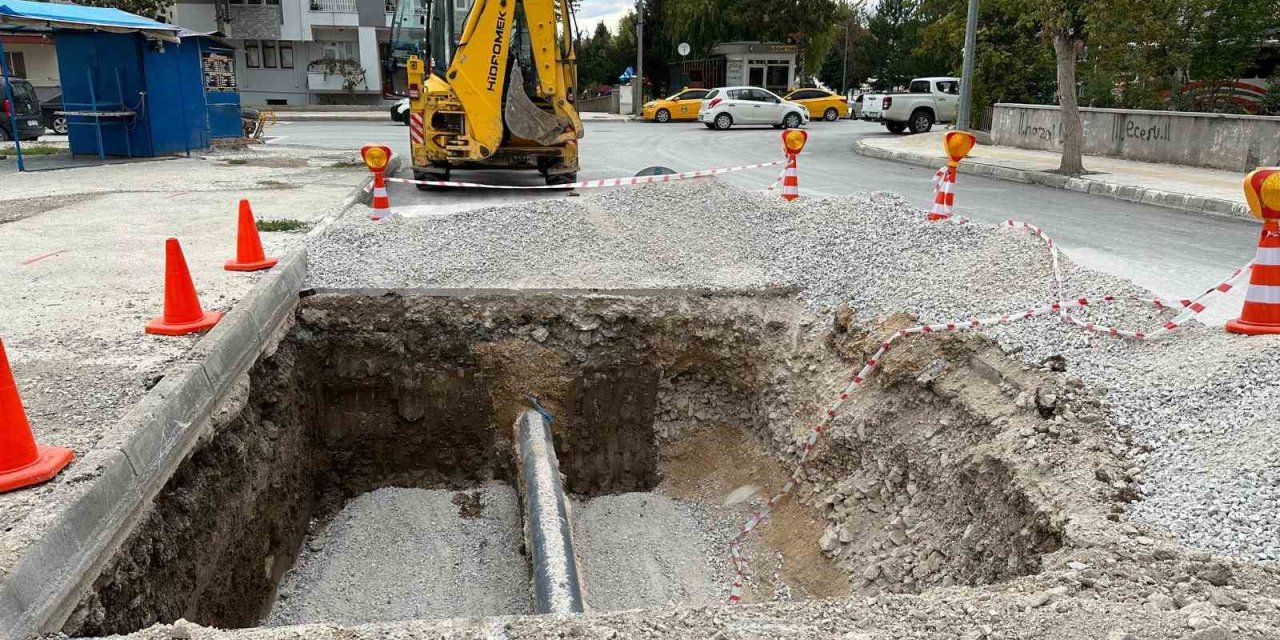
x: 844, y: 72
x: 638, y: 96
x: 966, y: 74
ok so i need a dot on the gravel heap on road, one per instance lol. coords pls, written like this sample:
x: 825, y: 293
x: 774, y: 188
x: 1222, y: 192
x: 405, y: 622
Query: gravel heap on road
x: 1190, y: 410
x: 403, y: 554
x: 641, y: 550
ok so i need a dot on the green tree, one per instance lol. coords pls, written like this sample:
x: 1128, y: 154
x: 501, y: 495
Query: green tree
x: 1271, y: 101
x: 842, y: 69
x: 593, y: 58
x: 812, y: 24
x: 894, y: 31
x: 1013, y: 64
x: 144, y: 8
x: 1223, y: 39
x: 1063, y: 24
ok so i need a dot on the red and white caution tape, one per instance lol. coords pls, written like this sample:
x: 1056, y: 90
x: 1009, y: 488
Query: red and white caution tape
x: 598, y: 184
x: 943, y: 193
x: 777, y: 181
x: 1190, y: 309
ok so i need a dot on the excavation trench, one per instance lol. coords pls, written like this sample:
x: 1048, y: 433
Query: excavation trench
x: 366, y: 471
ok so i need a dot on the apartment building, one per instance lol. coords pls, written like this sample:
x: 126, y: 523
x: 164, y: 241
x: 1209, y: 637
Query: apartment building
x: 292, y: 52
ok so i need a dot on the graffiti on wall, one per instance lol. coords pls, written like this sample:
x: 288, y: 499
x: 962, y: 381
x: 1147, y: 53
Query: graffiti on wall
x: 1126, y: 129
x: 1029, y: 128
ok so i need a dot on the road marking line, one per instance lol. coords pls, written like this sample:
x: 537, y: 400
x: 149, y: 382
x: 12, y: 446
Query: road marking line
x: 38, y: 258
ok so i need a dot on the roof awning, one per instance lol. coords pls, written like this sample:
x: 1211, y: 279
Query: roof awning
x: 23, y: 15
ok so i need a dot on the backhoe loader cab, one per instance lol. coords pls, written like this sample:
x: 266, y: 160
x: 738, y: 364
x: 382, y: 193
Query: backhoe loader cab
x: 490, y: 85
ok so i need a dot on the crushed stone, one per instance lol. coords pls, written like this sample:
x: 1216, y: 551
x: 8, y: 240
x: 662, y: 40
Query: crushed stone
x: 402, y: 554
x: 1190, y: 411
x: 642, y: 550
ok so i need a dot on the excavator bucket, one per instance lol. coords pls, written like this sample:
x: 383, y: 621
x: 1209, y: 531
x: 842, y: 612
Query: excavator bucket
x: 523, y: 118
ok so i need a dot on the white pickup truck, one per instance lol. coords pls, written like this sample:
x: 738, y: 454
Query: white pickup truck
x: 927, y: 100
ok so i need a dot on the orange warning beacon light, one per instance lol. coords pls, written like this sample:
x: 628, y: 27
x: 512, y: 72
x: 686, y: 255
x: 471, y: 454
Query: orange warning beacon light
x: 1261, y: 313
x: 376, y: 157
x: 1262, y: 192
x: 793, y: 140
x: 958, y: 145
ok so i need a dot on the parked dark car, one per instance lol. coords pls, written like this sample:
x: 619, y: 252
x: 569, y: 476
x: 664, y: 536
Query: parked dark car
x: 50, y: 117
x: 27, y: 110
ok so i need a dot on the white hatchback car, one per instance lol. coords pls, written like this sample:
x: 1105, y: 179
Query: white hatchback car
x: 729, y: 106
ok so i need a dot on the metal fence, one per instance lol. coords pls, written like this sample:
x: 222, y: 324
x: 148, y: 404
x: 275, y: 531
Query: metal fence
x: 335, y: 6
x: 982, y: 119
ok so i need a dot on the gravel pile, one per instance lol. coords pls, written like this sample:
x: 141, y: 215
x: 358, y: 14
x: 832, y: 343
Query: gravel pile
x: 1191, y: 410
x: 641, y: 550
x: 404, y: 554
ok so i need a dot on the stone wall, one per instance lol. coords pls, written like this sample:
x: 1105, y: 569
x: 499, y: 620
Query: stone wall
x: 255, y: 22
x: 1220, y: 141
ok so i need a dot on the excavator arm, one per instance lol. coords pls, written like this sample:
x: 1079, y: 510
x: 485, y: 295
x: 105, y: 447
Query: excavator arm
x: 478, y: 75
x: 492, y: 93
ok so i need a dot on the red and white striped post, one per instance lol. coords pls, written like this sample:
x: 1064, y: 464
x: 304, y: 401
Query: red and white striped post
x: 376, y: 157
x: 793, y: 143
x: 957, y: 144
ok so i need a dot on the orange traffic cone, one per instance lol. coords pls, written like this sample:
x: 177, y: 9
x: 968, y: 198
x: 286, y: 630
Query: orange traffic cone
x: 249, y: 254
x: 22, y: 461
x: 182, y: 312
x: 1261, y: 314
x: 381, y: 203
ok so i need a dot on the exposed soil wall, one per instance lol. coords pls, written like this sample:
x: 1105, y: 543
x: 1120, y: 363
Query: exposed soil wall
x: 378, y: 390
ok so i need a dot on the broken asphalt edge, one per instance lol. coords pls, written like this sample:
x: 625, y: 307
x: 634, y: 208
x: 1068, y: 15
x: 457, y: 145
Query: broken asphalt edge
x: 114, y: 483
x: 1128, y: 193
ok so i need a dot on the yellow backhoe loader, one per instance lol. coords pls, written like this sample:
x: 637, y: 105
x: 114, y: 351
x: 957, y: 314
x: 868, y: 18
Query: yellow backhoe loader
x: 490, y: 85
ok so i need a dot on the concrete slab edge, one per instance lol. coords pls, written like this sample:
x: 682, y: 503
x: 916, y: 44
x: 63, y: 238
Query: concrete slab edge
x: 116, y: 481
x: 1155, y: 197
x: 301, y: 116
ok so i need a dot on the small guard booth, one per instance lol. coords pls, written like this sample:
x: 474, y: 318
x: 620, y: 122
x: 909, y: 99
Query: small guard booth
x: 134, y: 87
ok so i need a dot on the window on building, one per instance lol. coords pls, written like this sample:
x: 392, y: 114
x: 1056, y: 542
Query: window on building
x: 253, y: 1
x: 286, y: 55
x: 339, y: 50
x: 17, y: 65
x: 252, y: 54
x: 779, y: 76
x: 235, y: 1
x: 269, y: 54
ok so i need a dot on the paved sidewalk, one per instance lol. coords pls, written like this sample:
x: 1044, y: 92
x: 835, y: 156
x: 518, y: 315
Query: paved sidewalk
x: 1185, y: 188
x: 384, y: 116
x: 81, y: 272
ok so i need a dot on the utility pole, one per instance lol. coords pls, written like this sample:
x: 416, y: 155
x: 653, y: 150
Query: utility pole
x: 638, y: 96
x: 966, y: 75
x: 844, y: 73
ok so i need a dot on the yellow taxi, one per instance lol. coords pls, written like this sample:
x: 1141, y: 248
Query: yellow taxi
x: 683, y: 105
x: 822, y: 104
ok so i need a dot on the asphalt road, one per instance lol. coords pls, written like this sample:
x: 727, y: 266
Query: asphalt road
x: 1174, y: 254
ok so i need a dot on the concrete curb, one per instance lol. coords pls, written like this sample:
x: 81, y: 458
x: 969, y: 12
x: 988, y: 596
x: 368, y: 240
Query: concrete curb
x: 1156, y: 197
x: 117, y: 480
x: 379, y: 116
